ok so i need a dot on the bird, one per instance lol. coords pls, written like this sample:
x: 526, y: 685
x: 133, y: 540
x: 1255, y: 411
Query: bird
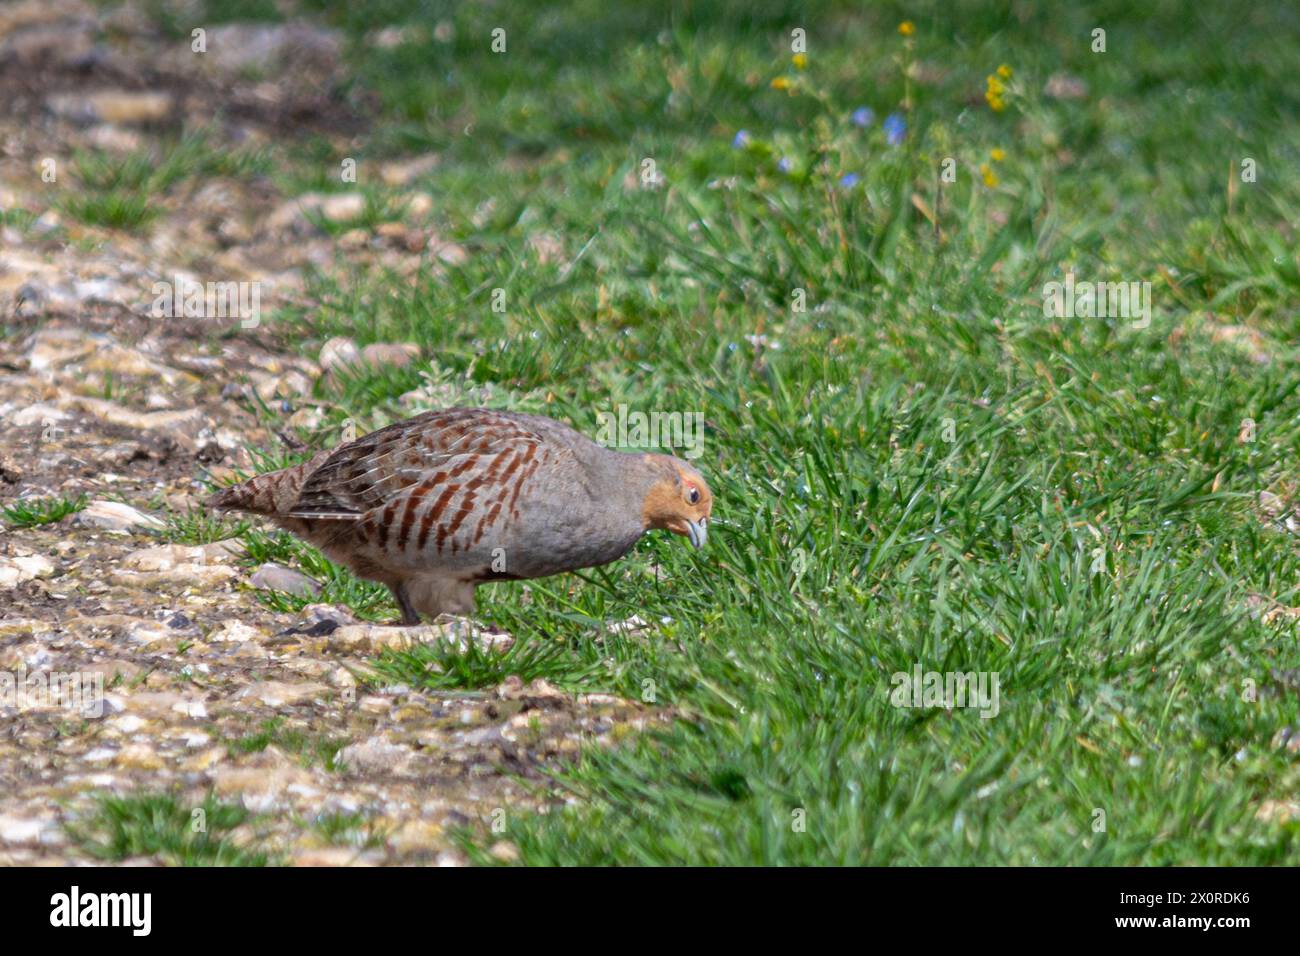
x: 438, y: 504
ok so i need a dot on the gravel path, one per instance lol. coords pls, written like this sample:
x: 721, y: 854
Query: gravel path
x: 204, y: 689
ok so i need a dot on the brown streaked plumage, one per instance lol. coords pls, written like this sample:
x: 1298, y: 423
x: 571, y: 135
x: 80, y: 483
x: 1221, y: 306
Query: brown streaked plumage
x: 438, y: 504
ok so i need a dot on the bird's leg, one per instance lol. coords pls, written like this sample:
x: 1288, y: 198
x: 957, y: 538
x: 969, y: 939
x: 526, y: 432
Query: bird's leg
x: 409, y: 617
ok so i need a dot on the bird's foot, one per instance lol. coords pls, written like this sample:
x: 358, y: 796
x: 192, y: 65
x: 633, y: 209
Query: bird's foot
x: 409, y: 617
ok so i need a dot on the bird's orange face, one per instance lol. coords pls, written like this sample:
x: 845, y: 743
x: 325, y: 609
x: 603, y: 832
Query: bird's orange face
x: 679, y: 502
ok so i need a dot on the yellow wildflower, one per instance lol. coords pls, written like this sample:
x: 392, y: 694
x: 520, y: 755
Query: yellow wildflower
x: 998, y: 155
x: 1004, y: 71
x: 781, y: 83
x: 994, y: 94
x: 800, y: 61
x: 990, y: 178
x: 907, y: 28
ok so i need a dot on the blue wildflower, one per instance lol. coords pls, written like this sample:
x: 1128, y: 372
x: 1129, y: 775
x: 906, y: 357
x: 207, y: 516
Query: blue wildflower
x: 895, y: 128
x: 741, y: 140
x: 849, y: 180
x: 863, y: 116
x: 784, y: 164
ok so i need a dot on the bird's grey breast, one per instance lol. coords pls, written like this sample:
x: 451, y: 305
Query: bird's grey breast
x: 571, y: 515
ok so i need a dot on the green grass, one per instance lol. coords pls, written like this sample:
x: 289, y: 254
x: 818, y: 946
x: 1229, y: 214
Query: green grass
x: 348, y: 830
x: 31, y: 512
x: 21, y: 220
x: 916, y: 468
x: 446, y: 665
x: 117, y: 209
x: 163, y: 827
x: 197, y: 527
x: 125, y: 192
x: 310, y: 748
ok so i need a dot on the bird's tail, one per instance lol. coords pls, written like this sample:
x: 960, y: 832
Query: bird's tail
x: 271, y: 494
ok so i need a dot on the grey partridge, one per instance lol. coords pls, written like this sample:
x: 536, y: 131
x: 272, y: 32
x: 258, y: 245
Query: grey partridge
x: 440, y: 503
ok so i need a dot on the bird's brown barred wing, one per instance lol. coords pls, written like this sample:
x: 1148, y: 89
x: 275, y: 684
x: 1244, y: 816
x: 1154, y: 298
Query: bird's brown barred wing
x: 437, y: 481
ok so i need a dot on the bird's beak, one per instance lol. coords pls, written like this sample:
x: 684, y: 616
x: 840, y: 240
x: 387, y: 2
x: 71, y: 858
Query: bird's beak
x: 698, y: 531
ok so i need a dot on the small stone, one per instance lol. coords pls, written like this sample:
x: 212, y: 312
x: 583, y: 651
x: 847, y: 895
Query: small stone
x: 394, y: 232
x: 10, y: 473
x: 169, y: 556
x: 451, y: 253
x: 275, y: 577
x: 15, y: 829
x: 157, y: 705
x: 128, y: 723
x: 338, y: 352
x: 413, y: 836
x: 511, y: 688
x: 114, y: 139
x: 274, y: 693
x: 1278, y: 811
x: 268, y: 47
x: 404, y: 172
x: 261, y: 788
x: 354, y: 239
x: 233, y: 631
x: 373, y: 638
x: 296, y: 215
x: 377, y: 755
x: 39, y: 414
x: 410, y: 713
x: 629, y: 626
x: 115, y: 516
x: 205, y: 760
x: 46, y: 223
x: 113, y: 670
x: 148, y: 632
x: 343, y: 207
x: 121, y: 361
x: 35, y: 44
x: 182, y: 426
x: 16, y: 570
x: 111, y: 106
x: 419, y: 205
x: 292, y: 384
x: 391, y: 355
x: 306, y: 418
x: 52, y: 348
x: 138, y: 756
x: 184, y: 576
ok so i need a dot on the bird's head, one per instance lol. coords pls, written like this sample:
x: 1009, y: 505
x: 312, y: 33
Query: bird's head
x: 678, y: 500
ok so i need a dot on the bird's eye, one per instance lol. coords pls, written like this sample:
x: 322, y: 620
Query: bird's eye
x: 693, y: 496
